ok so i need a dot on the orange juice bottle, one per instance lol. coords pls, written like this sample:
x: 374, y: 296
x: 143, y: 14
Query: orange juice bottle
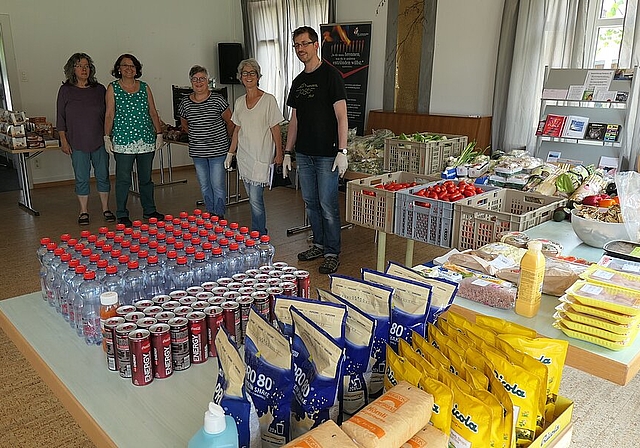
x: 531, y: 275
x: 108, y: 305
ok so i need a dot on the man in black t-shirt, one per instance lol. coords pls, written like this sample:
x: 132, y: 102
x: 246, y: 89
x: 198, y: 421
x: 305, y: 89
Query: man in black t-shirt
x: 318, y: 129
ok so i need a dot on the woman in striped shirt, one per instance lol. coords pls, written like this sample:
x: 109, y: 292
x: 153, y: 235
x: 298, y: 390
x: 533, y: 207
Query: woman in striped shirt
x: 206, y: 117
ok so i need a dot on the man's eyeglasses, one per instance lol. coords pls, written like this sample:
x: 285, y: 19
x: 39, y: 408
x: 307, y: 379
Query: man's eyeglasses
x: 247, y: 74
x: 302, y: 44
x: 199, y: 79
x: 86, y: 67
x: 127, y: 66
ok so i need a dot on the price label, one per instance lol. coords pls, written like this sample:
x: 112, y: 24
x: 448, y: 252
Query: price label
x: 502, y: 262
x: 480, y: 282
x: 591, y: 289
x: 629, y: 267
x: 635, y: 252
x: 605, y: 275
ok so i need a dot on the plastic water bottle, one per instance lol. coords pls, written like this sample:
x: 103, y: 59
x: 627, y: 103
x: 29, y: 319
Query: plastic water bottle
x: 47, y: 258
x: 133, y: 284
x: 65, y: 292
x: 109, y: 302
x: 59, y: 282
x: 75, y: 312
x: 224, y: 245
x: 44, y: 242
x: 235, y: 260
x: 172, y: 262
x: 90, y: 292
x: 217, y: 264
x: 155, y: 277
x: 201, y: 269
x: 101, y: 269
x: 112, y: 281
x: 266, y: 251
x: 191, y: 255
x: 251, y: 255
x: 255, y: 235
x: 52, y: 273
x: 143, y: 260
x: 219, y: 430
x: 182, y: 276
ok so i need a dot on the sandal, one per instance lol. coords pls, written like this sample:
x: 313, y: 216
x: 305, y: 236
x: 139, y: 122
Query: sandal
x: 83, y: 219
x: 109, y: 216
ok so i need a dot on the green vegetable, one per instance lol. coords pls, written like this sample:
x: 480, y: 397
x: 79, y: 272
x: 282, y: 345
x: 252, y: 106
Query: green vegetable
x: 564, y: 183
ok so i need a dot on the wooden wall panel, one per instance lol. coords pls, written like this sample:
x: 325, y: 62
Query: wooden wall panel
x: 475, y: 127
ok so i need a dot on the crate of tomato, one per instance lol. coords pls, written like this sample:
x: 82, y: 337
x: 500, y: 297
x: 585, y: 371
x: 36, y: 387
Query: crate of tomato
x: 371, y: 201
x: 422, y: 152
x: 426, y: 213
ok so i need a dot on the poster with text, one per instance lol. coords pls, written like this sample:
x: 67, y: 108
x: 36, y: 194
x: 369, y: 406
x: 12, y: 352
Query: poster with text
x: 346, y: 46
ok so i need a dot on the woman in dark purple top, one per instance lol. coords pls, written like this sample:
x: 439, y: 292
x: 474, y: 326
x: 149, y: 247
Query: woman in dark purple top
x: 80, y: 122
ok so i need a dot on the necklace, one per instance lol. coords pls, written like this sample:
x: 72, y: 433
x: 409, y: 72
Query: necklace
x: 128, y: 88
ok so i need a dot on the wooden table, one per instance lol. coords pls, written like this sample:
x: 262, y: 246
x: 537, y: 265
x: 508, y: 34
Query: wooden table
x: 25, y: 154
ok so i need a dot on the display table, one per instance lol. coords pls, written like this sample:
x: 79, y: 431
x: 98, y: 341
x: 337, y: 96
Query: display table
x: 25, y: 154
x: 110, y: 409
x: 616, y: 366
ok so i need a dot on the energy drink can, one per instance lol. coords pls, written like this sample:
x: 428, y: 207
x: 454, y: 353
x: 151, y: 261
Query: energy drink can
x: 142, y: 304
x: 289, y: 288
x: 187, y: 300
x: 170, y: 305
x: 261, y: 304
x: 193, y: 290
x: 182, y: 311
x: 231, y: 316
x: 122, y: 348
x: 214, y: 321
x: 198, y: 337
x: 108, y: 335
x: 164, y: 317
x: 152, y: 310
x: 161, y: 298
x: 141, y: 357
x: 161, y: 349
x: 179, y: 332
x: 200, y: 305
x: 123, y: 310
x: 245, y: 303
x: 273, y: 292
x: 134, y: 316
x: 146, y: 322
x: 304, y: 283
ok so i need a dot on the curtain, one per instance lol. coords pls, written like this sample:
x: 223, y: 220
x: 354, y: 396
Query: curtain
x: 268, y: 27
x: 535, y: 34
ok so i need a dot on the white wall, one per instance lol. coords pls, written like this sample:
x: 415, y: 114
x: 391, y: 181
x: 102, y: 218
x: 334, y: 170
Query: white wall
x: 467, y: 35
x: 167, y: 36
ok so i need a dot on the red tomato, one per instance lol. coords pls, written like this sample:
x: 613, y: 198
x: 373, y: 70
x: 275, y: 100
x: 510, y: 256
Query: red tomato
x: 455, y: 197
x: 469, y: 192
x: 479, y: 190
x: 432, y: 195
x: 380, y: 186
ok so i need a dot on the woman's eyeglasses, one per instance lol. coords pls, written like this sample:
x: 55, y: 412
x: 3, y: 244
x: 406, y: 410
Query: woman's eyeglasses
x: 302, y: 45
x: 247, y: 74
x: 85, y: 67
x: 127, y: 66
x: 199, y: 79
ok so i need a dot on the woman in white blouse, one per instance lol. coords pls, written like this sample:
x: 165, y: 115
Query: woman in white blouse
x: 256, y: 140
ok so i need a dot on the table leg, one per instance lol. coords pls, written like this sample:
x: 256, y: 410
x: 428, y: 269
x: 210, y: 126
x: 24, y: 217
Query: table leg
x: 167, y: 146
x: 23, y: 176
x: 382, y: 250
x: 408, y: 257
x: 234, y: 198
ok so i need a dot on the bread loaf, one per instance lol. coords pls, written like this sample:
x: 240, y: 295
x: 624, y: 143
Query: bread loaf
x: 326, y: 435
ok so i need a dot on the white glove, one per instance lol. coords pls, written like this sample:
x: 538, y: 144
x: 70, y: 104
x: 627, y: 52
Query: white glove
x: 108, y: 144
x: 227, y: 161
x: 341, y: 163
x: 286, y: 165
x: 159, y: 141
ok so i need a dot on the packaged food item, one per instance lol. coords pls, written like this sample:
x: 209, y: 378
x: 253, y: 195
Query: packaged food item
x: 429, y: 352
x: 374, y: 301
x: 619, y: 264
x: 443, y: 290
x: 420, y: 363
x: 269, y: 379
x: 524, y: 388
x: 608, y: 276
x: 594, y: 321
x: 409, y: 305
x: 610, y: 298
x: 230, y: 393
x: 626, y: 250
x: 359, y: 332
x: 326, y: 435
x: 427, y: 437
x: 497, y: 415
x: 328, y: 316
x: 471, y: 421
x: 606, y: 343
x: 442, y: 402
x: 550, y: 352
x: 399, y: 369
x: 504, y: 326
x: 613, y: 316
x: 489, y: 291
x: 392, y: 419
x: 317, y: 369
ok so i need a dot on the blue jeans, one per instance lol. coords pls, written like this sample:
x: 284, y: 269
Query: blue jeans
x: 124, y: 167
x: 212, y: 178
x: 319, y: 187
x: 82, y: 162
x: 256, y: 201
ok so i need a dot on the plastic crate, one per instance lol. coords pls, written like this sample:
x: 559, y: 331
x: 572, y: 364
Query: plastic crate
x: 432, y: 224
x: 421, y: 157
x: 372, y: 207
x: 480, y: 219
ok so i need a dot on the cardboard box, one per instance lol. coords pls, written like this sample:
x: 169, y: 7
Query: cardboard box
x: 564, y: 411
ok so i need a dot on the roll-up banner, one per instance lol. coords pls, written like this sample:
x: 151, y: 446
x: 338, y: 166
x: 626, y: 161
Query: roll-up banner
x: 347, y: 46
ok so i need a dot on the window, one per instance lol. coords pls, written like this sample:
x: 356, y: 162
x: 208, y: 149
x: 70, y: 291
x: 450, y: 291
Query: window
x: 606, y: 19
